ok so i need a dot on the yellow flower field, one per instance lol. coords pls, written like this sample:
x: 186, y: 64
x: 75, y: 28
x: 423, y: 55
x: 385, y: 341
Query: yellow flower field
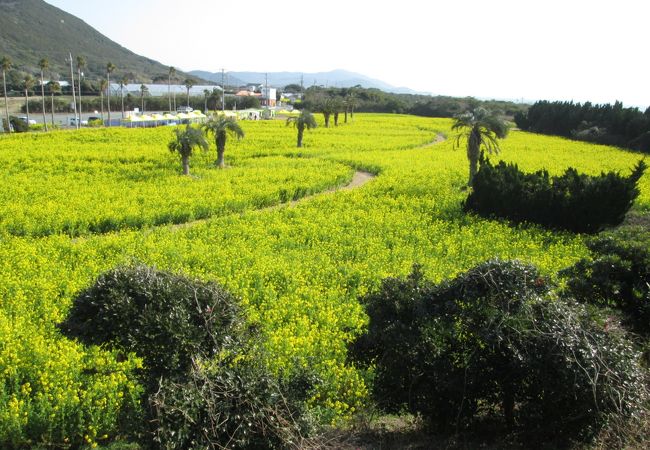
x: 78, y: 204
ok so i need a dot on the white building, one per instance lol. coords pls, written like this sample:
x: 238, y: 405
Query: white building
x: 268, y: 96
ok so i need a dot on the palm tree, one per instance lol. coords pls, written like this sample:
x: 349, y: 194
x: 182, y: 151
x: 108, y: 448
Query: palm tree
x: 103, y: 86
x: 184, y: 143
x: 143, y: 91
x: 28, y: 84
x: 220, y: 126
x: 55, y: 88
x: 123, y: 82
x: 172, y: 73
x: 5, y: 65
x: 304, y: 120
x: 188, y: 85
x: 350, y: 103
x: 43, y: 64
x: 206, y: 94
x: 81, y: 63
x: 337, y: 106
x: 326, y: 107
x: 481, y: 128
x: 110, y: 67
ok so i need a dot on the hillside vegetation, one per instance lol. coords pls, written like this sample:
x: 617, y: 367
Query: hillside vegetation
x: 33, y: 29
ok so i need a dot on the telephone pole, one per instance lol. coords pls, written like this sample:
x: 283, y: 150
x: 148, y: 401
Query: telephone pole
x: 74, y: 99
x: 223, y: 90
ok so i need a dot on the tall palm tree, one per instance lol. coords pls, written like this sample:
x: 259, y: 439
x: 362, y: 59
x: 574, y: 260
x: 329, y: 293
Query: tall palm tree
x: 5, y: 65
x: 172, y: 73
x: 206, y: 94
x: 304, y: 121
x: 55, y: 88
x: 220, y: 126
x: 110, y: 68
x: 81, y: 63
x: 143, y: 91
x: 123, y: 82
x: 43, y: 64
x: 184, y: 142
x: 103, y: 86
x: 188, y: 85
x: 350, y: 102
x: 327, y: 108
x: 481, y: 128
x: 28, y: 84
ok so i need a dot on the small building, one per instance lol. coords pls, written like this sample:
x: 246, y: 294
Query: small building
x: 269, y: 96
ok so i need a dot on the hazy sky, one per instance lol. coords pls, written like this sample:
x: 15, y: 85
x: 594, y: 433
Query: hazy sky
x: 570, y: 49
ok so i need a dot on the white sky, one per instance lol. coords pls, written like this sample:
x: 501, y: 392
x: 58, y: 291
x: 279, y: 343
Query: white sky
x: 557, y: 50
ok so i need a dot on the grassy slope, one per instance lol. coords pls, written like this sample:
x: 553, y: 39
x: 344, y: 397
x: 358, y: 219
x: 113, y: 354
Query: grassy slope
x: 32, y: 29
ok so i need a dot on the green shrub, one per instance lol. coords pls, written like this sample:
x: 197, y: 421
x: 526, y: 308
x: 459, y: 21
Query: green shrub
x: 616, y: 276
x: 18, y: 125
x: 205, y: 390
x: 233, y: 407
x: 493, y: 340
x: 164, y: 318
x: 573, y: 201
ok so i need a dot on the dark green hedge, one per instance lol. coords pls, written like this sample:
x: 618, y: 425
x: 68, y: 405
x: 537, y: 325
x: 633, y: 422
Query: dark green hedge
x: 572, y: 201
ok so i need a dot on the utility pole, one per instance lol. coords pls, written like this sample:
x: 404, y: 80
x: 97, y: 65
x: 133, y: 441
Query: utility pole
x: 266, y: 90
x: 302, y: 83
x: 74, y: 99
x: 223, y: 90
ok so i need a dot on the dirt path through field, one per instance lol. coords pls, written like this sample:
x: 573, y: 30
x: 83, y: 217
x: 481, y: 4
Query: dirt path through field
x: 359, y: 178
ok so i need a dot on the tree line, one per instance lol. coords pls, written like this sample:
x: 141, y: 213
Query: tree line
x: 330, y: 100
x: 26, y: 84
x: 604, y: 124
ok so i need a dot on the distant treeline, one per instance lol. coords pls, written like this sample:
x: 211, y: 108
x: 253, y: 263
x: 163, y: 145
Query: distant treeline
x: 375, y: 100
x: 603, y: 124
x: 94, y: 103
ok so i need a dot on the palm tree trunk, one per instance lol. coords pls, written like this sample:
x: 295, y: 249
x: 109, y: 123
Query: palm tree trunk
x: 346, y: 115
x: 300, y: 131
x: 52, y: 97
x: 336, y: 119
x: 108, y: 97
x: 220, y: 160
x: 122, y: 95
x: 4, y: 85
x: 27, y: 105
x: 188, y: 97
x: 473, y: 146
x: 169, y: 91
x: 101, y: 100
x: 43, y: 99
x: 79, y: 91
x: 221, y: 149
x: 186, y: 164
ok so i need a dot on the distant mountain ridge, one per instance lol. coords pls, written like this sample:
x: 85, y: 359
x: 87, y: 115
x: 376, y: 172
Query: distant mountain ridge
x: 333, y: 78
x: 33, y: 29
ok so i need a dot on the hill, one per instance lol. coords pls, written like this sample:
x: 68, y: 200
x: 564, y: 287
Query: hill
x: 32, y: 29
x: 333, y: 78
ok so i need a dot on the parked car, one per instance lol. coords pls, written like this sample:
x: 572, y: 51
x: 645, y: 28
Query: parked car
x: 24, y: 119
x: 73, y: 121
x: 184, y: 109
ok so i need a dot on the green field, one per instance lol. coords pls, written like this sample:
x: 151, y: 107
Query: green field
x: 76, y: 204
